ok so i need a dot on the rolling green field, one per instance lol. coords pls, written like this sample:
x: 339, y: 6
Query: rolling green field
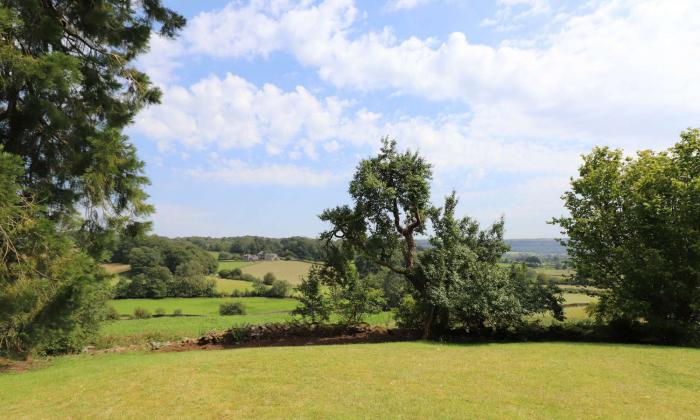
x: 414, y: 379
x: 204, y: 306
x: 227, y: 286
x: 201, y: 317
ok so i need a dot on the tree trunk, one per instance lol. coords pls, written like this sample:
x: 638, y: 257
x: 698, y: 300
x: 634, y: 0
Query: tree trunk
x: 427, y: 331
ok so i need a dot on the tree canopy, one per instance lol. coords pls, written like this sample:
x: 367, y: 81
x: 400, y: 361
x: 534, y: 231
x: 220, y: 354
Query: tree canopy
x: 68, y: 88
x: 634, y: 229
x: 454, y: 284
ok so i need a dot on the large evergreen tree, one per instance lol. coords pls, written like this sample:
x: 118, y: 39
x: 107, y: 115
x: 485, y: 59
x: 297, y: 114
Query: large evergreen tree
x: 69, y: 178
x: 68, y: 87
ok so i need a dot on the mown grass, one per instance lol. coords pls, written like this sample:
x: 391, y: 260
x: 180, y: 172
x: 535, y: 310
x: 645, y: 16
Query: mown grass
x: 415, y: 380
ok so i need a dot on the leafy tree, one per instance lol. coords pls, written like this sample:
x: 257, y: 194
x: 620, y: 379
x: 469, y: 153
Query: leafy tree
x: 269, y: 278
x: 392, y: 199
x: 141, y: 258
x: 533, y: 261
x: 68, y: 88
x: 52, y: 296
x: 279, y: 289
x: 467, y: 288
x: 391, y: 195
x: 634, y: 229
x: 152, y: 283
x: 314, y: 305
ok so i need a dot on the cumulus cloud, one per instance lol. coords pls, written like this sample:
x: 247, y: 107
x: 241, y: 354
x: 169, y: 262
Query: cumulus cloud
x: 597, y: 75
x: 396, y: 5
x: 218, y: 114
x: 236, y: 172
x: 230, y: 112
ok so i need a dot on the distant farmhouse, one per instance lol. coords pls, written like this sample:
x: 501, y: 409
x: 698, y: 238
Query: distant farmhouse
x: 261, y: 256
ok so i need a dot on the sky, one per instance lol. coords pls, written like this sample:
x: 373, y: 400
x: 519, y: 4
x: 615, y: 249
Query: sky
x: 268, y: 105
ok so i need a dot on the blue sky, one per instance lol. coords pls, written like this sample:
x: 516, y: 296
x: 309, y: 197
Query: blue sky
x: 268, y: 105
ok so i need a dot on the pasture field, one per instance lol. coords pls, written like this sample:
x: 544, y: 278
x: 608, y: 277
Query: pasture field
x: 230, y: 264
x: 292, y: 271
x: 578, y: 298
x: 204, y: 306
x: 411, y: 379
x: 201, y: 315
x: 228, y: 286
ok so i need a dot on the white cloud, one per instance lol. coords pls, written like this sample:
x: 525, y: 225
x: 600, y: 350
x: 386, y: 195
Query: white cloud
x: 597, y: 76
x: 218, y: 114
x: 236, y: 172
x: 396, y: 5
x: 230, y: 112
x: 511, y: 13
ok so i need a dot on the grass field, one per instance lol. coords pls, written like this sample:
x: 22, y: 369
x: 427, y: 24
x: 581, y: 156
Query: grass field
x: 204, y: 306
x: 414, y: 380
x: 229, y: 265
x: 578, y: 298
x: 203, y: 317
x: 292, y: 271
x: 227, y: 286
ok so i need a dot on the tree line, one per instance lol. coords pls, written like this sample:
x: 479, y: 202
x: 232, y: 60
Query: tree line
x: 295, y: 248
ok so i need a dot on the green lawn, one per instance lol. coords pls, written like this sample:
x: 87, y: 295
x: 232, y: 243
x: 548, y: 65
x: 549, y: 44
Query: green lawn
x: 415, y: 380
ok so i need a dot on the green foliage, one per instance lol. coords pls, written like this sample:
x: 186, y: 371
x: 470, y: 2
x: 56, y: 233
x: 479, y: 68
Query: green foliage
x: 455, y: 284
x: 233, y: 274
x: 112, y: 314
x: 160, y: 312
x: 232, y: 308
x: 294, y: 248
x: 634, y: 230
x: 142, y: 258
x: 467, y: 289
x: 314, y: 306
x: 279, y: 289
x: 52, y: 296
x: 177, y: 312
x: 269, y: 278
x: 69, y: 89
x: 141, y: 313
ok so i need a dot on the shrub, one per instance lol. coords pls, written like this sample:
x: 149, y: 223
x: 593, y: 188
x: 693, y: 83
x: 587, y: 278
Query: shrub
x: 177, y: 312
x: 160, y: 312
x: 279, y: 289
x: 248, y: 277
x: 232, y: 308
x: 111, y: 313
x: 141, y: 313
x: 269, y: 278
x: 232, y: 274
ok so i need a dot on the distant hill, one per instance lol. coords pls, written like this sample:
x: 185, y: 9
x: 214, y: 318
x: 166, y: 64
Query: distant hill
x: 541, y: 246
x: 536, y: 246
